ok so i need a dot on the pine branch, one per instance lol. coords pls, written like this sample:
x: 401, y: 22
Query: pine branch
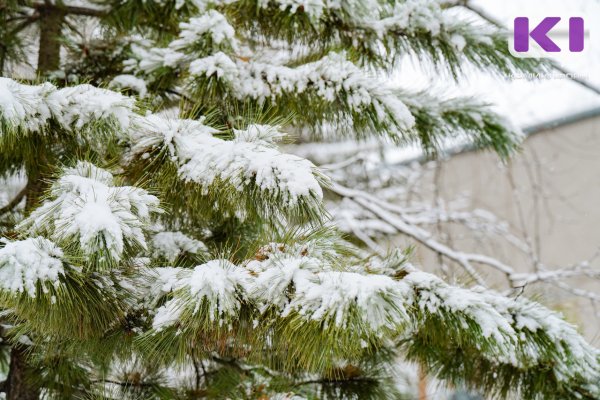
x: 15, y: 201
x: 69, y: 9
x: 337, y: 381
x: 127, y: 384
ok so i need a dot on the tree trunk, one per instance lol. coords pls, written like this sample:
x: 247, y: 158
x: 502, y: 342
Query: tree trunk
x: 19, y: 383
x: 422, y: 384
x: 51, y: 21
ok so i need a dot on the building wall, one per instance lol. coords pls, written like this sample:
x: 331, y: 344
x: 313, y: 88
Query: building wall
x: 550, y: 195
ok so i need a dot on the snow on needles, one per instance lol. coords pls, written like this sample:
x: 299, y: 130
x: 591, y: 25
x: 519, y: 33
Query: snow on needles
x: 212, y: 23
x: 84, y: 205
x: 333, y: 296
x: 193, y: 35
x: 125, y: 81
x: 330, y: 296
x: 203, y: 159
x: 26, y: 263
x: 170, y: 245
x: 215, y: 288
x: 333, y: 78
x: 516, y: 332
x: 249, y: 161
x: 32, y: 107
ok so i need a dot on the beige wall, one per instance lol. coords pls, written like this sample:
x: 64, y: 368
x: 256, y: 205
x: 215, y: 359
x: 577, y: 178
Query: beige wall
x: 554, y: 201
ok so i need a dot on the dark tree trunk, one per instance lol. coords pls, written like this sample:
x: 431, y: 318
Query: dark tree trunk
x: 51, y: 21
x: 20, y: 385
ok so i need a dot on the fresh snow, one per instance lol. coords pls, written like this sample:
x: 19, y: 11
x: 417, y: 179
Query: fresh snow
x: 86, y: 206
x: 25, y: 264
x: 218, y: 284
x: 266, y: 135
x: 218, y: 281
x: 212, y: 23
x: 168, y: 314
x: 148, y: 60
x: 436, y: 295
x: 170, y: 245
x: 25, y: 105
x: 203, y: 158
x: 334, y: 295
x: 250, y: 160
x: 292, y: 281
x: 333, y: 78
x: 126, y: 81
x: 31, y: 107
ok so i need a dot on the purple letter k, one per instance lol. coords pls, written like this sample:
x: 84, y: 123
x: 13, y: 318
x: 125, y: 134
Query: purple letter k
x: 539, y: 34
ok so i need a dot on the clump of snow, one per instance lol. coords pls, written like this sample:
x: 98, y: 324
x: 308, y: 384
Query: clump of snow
x: 203, y: 159
x: 26, y: 263
x: 146, y: 60
x: 31, y: 107
x: 169, y: 245
x: 88, y: 170
x: 155, y: 283
x: 218, y: 63
x: 333, y: 78
x: 168, y: 279
x: 82, y: 104
x: 25, y: 105
x: 218, y: 284
x: 512, y: 323
x: 435, y: 294
x: 333, y: 295
x: 409, y: 15
x: 132, y: 82
x: 265, y: 135
x: 154, y: 131
x: 212, y: 23
x: 531, y: 318
x: 275, y: 275
x: 168, y: 314
x: 86, y: 207
x: 458, y: 41
x: 325, y: 295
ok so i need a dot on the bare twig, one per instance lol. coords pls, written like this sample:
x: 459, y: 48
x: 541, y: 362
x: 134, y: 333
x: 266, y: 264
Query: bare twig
x: 394, y: 216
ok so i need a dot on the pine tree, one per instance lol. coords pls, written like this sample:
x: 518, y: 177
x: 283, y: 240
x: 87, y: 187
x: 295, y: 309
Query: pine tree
x: 163, y: 245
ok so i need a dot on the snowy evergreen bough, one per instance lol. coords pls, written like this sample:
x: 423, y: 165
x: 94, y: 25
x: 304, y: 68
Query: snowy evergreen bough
x: 164, y: 244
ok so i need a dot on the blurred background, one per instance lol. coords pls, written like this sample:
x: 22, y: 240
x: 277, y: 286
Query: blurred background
x: 537, y: 214
x: 549, y: 193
